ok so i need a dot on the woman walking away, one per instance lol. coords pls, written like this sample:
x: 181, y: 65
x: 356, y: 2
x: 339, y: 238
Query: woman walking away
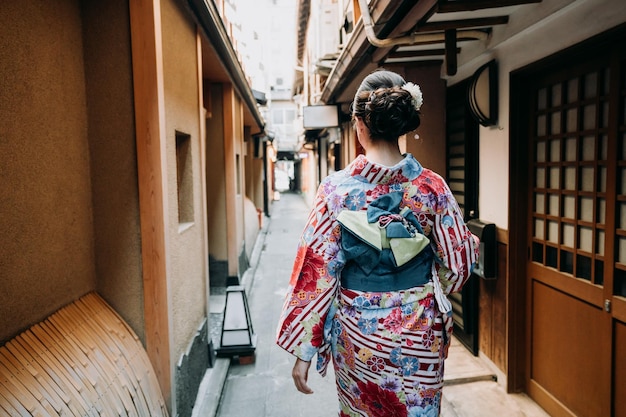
x: 383, y: 246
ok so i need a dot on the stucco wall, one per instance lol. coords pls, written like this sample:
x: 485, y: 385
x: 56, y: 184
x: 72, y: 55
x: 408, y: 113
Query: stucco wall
x: 562, y: 23
x: 187, y: 273
x: 111, y: 131
x: 47, y: 251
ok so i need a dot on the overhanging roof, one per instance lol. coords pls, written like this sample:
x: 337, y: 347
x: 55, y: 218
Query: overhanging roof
x: 431, y: 30
x: 219, y: 59
x: 304, y: 12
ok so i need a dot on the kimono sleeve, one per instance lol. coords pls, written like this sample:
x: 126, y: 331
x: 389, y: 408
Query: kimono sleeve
x: 456, y: 246
x: 312, y: 287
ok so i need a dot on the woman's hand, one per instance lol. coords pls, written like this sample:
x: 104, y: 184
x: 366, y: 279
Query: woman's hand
x: 300, y: 375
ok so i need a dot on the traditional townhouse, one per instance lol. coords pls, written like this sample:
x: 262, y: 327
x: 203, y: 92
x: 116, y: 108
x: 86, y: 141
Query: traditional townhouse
x: 129, y: 170
x: 525, y: 115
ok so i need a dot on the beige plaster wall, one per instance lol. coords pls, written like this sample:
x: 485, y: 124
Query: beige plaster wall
x: 47, y: 251
x: 111, y: 131
x: 187, y: 273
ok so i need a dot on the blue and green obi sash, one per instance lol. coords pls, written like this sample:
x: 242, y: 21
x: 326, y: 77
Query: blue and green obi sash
x: 385, y: 248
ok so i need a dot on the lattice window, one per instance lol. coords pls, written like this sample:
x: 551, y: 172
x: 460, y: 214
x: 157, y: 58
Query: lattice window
x: 570, y: 145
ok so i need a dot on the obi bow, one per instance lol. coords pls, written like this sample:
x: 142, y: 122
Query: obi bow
x: 384, y: 226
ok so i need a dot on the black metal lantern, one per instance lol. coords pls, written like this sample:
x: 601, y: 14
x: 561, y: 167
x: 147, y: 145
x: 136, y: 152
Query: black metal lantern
x: 237, y: 337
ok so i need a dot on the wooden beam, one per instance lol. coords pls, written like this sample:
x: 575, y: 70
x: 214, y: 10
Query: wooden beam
x: 419, y: 13
x: 462, y: 24
x: 451, y: 65
x: 145, y: 26
x: 230, y: 170
x: 471, y: 5
x: 202, y: 116
x: 420, y: 53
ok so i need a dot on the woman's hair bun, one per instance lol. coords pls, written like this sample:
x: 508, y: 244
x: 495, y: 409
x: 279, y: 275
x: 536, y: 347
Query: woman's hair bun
x: 390, y: 113
x: 387, y: 109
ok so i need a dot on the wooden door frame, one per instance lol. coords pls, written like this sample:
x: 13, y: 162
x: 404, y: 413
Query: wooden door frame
x: 518, y: 332
x: 456, y: 94
x: 516, y: 336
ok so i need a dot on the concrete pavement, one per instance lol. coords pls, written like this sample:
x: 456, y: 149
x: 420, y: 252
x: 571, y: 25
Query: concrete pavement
x: 265, y: 388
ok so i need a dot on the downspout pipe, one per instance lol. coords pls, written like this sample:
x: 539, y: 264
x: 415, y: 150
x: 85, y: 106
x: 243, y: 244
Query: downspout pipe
x: 413, y: 39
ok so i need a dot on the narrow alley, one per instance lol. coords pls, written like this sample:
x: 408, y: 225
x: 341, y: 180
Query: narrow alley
x: 265, y: 388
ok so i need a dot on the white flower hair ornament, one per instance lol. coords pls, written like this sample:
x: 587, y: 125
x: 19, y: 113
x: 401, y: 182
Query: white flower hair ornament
x: 416, y: 93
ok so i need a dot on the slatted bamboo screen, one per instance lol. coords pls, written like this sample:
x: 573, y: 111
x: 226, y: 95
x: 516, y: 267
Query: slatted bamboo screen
x: 84, y: 360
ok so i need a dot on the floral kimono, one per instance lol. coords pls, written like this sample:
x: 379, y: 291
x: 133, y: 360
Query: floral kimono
x: 379, y: 310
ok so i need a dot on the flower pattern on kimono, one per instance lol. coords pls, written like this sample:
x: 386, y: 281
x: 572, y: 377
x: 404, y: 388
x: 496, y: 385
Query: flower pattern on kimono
x: 307, y: 234
x: 346, y: 350
x: 374, y: 313
x: 335, y: 202
x: 393, y: 321
x: 306, y: 350
x: 396, y: 187
x: 410, y: 365
x: 410, y: 190
x: 335, y: 266
x: 355, y: 200
x: 375, y: 299
x: 381, y: 402
x: 349, y: 310
x: 428, y: 338
x: 368, y: 326
x: 317, y: 334
x: 365, y: 354
x: 429, y: 395
x: 416, y: 322
x: 391, y: 383
x: 361, y: 302
x: 414, y: 204
x: 375, y: 363
x: 426, y: 198
x: 337, y: 328
x: 407, y: 309
x: 310, y: 272
x: 448, y: 221
x: 395, y: 355
x: 428, y: 411
x: 379, y: 190
x: 394, y: 301
x: 413, y: 400
x: 328, y: 187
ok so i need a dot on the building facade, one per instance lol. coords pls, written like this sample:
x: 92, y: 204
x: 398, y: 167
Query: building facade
x: 131, y: 167
x: 524, y: 115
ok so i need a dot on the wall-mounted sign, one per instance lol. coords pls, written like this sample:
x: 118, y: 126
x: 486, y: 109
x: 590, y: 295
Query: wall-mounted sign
x: 320, y: 117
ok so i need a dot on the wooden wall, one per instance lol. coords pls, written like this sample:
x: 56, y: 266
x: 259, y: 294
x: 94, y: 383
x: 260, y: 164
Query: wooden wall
x: 492, y: 317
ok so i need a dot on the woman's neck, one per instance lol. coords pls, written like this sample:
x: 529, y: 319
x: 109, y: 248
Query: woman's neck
x: 384, y: 153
